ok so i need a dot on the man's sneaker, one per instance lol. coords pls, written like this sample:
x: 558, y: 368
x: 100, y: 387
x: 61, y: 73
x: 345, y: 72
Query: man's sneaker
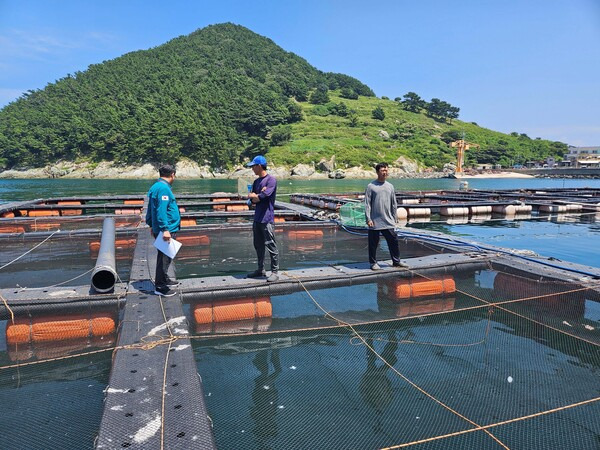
x: 256, y: 274
x: 165, y: 292
x: 273, y: 277
x: 401, y: 264
x: 172, y: 284
x: 375, y: 266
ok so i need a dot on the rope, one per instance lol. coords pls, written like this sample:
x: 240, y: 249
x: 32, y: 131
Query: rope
x: 28, y: 251
x: 366, y: 344
x: 12, y: 314
x: 498, y: 305
x: 23, y: 288
x: 497, y: 424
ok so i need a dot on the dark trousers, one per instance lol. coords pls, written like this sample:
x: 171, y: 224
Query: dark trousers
x: 163, y: 266
x: 392, y: 242
x: 264, y: 237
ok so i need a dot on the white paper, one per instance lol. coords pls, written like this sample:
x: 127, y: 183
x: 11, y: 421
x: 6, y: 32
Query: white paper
x: 169, y: 248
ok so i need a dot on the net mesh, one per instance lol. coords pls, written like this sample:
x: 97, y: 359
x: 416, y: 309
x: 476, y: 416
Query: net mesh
x: 491, y: 364
x: 490, y: 358
x: 353, y: 214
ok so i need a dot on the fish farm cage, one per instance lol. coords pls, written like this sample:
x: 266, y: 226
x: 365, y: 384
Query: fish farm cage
x: 469, y: 346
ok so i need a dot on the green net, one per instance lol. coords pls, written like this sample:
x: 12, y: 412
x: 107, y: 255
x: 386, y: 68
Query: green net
x: 353, y: 214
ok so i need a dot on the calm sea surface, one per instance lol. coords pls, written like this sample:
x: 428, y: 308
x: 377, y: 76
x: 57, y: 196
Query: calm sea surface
x: 572, y: 238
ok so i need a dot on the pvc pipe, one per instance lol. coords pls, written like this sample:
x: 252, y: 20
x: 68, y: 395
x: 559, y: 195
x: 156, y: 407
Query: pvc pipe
x: 104, y: 275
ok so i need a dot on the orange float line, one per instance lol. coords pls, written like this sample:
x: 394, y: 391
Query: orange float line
x: 70, y: 212
x: 55, y: 328
x: 42, y: 212
x: 305, y: 234
x: 237, y: 207
x: 5, y: 229
x: 119, y: 244
x: 233, y: 310
x: 410, y: 288
x: 188, y: 222
x: 194, y: 240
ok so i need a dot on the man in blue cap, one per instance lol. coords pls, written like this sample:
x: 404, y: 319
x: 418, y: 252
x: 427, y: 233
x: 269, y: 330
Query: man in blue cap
x: 262, y: 196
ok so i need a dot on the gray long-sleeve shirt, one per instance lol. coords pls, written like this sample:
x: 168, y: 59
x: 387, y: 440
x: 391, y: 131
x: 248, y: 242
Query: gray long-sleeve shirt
x: 380, y: 205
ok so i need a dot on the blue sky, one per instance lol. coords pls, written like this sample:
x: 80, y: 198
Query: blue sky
x: 531, y: 66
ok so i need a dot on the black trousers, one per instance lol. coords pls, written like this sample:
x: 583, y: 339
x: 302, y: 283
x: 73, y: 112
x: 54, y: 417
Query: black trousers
x: 264, y: 237
x: 163, y: 266
x: 392, y: 242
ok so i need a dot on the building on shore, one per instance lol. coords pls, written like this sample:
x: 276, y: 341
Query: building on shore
x: 582, y: 157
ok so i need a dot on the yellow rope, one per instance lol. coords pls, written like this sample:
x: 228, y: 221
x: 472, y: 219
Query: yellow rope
x: 498, y: 305
x: 497, y: 424
x: 12, y: 314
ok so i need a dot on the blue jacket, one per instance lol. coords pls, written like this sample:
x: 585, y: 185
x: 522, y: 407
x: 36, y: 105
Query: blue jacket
x: 163, y: 212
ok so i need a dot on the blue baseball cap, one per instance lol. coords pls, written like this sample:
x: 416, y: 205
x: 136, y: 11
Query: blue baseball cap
x: 260, y: 159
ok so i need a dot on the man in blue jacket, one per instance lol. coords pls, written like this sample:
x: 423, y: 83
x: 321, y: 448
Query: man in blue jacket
x: 163, y: 215
x: 262, y: 196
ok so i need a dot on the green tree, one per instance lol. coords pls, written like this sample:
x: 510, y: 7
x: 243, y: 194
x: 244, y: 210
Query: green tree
x: 320, y: 96
x: 281, y: 134
x: 378, y: 113
x: 348, y: 93
x: 412, y: 102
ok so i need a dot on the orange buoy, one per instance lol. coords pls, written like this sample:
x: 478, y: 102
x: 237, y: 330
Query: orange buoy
x: 420, y: 287
x: 42, y: 212
x: 70, y: 212
x: 305, y: 234
x: 279, y: 219
x: 233, y: 310
x: 54, y: 328
x: 237, y: 208
x: 11, y: 229
x: 133, y: 202
x: 215, y: 200
x: 119, y: 244
x: 127, y: 211
x: 194, y: 240
x: 7, y: 214
x: 188, y: 222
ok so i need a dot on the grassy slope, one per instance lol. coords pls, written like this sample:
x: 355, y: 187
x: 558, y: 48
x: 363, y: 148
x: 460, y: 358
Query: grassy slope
x: 319, y: 137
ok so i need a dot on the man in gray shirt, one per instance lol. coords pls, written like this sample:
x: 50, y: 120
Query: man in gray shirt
x: 380, y: 212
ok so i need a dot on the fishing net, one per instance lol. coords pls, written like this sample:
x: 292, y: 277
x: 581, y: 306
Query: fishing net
x: 479, y: 359
x: 353, y: 214
x: 492, y: 357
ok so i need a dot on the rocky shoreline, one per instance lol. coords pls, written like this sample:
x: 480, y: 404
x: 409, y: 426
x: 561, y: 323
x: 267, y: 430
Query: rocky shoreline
x: 188, y: 169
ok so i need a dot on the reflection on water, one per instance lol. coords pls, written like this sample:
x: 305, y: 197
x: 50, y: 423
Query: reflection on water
x: 375, y: 384
x: 265, y: 398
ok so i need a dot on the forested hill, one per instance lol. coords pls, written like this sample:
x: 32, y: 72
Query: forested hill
x: 223, y: 94
x: 210, y: 96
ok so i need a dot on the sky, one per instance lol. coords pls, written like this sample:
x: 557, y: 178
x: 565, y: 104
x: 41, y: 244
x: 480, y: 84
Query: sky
x: 530, y: 66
